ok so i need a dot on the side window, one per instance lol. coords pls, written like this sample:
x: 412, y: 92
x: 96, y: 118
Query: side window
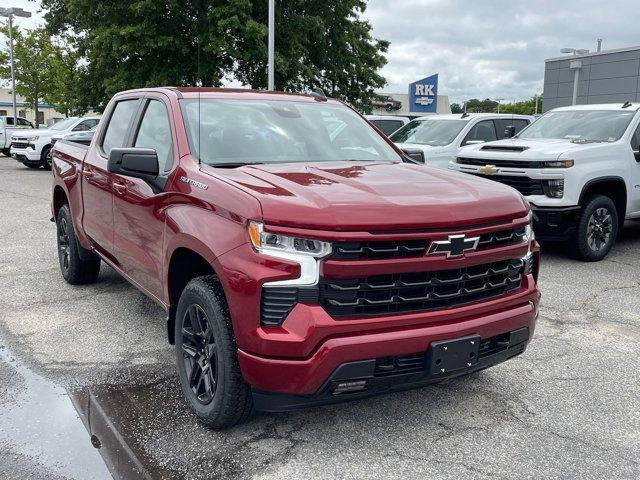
x: 483, y: 131
x: 9, y: 120
x: 387, y: 126
x: 155, y: 133
x: 26, y: 123
x: 120, y: 119
x: 635, y: 140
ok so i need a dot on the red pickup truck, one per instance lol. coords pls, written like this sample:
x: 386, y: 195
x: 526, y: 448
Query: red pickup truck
x: 301, y: 257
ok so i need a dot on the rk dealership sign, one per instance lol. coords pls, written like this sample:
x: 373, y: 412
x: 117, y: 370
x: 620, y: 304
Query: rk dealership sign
x: 423, y: 95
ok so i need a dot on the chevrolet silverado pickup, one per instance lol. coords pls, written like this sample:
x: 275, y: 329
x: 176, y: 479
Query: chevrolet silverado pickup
x: 579, y: 168
x: 301, y: 258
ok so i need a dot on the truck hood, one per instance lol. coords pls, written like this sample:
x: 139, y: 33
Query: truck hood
x: 531, y: 149
x: 368, y: 196
x: 32, y: 132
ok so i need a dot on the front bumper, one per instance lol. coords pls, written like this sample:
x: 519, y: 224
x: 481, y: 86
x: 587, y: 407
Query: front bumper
x: 555, y: 223
x: 398, y: 373
x: 25, y: 155
x: 306, y: 376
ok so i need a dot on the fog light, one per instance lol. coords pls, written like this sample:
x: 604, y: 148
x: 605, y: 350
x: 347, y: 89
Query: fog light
x: 554, y: 188
x: 350, y: 387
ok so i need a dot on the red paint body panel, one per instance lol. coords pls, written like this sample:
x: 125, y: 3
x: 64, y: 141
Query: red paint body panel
x: 137, y: 230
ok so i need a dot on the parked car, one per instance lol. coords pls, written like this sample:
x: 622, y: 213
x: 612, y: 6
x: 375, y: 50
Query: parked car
x: 33, y: 147
x: 388, y: 103
x: 579, y: 168
x: 387, y: 123
x: 435, y: 139
x: 298, y: 267
x: 83, y: 137
x: 7, y: 127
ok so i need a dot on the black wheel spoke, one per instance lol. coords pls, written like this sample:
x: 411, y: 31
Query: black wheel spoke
x: 200, y: 353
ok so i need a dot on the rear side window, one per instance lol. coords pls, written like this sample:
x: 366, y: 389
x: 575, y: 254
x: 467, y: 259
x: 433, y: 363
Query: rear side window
x: 155, y: 133
x: 635, y: 140
x: 387, y: 126
x: 117, y: 129
x: 482, y: 131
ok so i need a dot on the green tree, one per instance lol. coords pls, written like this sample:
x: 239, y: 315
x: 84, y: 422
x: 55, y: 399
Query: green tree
x: 525, y: 107
x: 482, y: 106
x: 175, y: 42
x: 33, y: 55
x: 63, y: 93
x: 456, y: 108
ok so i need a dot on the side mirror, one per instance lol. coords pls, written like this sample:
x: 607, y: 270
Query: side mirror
x: 509, y: 131
x: 417, y: 156
x: 134, y: 162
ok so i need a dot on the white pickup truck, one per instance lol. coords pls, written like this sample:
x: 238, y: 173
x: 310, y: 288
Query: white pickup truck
x: 33, y: 147
x: 579, y: 168
x: 7, y: 127
x: 435, y: 139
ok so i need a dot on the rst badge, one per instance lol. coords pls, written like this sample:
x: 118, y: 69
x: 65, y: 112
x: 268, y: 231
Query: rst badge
x: 455, y: 246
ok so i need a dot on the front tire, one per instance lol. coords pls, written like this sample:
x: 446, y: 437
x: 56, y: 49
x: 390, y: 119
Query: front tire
x: 206, y: 356
x: 46, y: 160
x: 597, y: 229
x: 6, y: 152
x: 77, y: 265
x: 32, y: 165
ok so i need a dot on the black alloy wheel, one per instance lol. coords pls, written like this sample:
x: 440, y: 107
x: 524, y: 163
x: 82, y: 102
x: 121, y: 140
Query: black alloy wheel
x: 63, y: 245
x: 199, y: 354
x: 47, y: 160
x: 599, y: 229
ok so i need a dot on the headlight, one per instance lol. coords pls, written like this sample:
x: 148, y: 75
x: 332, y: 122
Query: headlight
x: 558, y: 164
x: 32, y: 139
x: 554, y: 188
x: 304, y: 251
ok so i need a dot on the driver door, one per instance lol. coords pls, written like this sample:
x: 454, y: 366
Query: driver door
x: 635, y: 171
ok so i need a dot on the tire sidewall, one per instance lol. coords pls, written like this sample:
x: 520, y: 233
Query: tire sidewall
x: 73, y: 251
x: 197, y: 293
x: 585, y: 252
x: 46, y: 154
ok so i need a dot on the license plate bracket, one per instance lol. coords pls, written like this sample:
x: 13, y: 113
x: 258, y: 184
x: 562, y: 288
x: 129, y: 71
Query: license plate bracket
x: 449, y: 356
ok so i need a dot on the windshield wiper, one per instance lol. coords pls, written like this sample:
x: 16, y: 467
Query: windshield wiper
x: 233, y: 164
x: 586, y: 140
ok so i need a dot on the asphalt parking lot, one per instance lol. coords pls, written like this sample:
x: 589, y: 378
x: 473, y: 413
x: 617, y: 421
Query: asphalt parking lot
x: 568, y: 408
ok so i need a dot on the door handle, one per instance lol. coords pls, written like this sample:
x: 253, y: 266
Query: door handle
x: 87, y: 172
x: 119, y: 187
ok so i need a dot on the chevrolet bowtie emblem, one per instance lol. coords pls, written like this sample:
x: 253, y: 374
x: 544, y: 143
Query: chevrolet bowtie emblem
x: 488, y: 170
x: 455, y: 246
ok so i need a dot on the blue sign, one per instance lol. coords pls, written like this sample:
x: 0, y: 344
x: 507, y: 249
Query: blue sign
x: 423, y: 95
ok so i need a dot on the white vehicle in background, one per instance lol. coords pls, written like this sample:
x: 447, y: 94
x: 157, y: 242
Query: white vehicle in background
x: 7, y: 127
x: 435, y: 139
x: 33, y: 147
x: 579, y: 168
x: 387, y: 124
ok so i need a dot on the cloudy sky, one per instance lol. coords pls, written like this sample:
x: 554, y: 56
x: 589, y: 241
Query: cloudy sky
x: 487, y: 48
x: 494, y: 48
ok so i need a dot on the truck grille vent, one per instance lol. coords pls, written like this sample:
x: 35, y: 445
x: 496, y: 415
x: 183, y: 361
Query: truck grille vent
x: 394, y: 365
x: 394, y: 249
x: 499, y: 163
x: 504, y: 148
x: 407, y: 292
x: 503, y: 237
x: 525, y: 185
x: 19, y: 145
x: 276, y: 304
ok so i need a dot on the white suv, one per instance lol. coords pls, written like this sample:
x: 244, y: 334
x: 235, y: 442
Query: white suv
x: 33, y: 147
x: 435, y: 139
x: 579, y: 168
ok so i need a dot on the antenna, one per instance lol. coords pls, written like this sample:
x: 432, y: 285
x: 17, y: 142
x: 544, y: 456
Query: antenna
x: 199, y: 84
x: 626, y: 104
x: 318, y: 95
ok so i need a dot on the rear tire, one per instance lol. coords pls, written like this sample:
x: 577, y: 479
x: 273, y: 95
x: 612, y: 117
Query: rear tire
x: 77, y: 265
x: 46, y: 160
x: 206, y: 356
x: 597, y: 229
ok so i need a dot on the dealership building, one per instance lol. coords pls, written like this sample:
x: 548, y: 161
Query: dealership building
x: 421, y: 99
x: 611, y: 76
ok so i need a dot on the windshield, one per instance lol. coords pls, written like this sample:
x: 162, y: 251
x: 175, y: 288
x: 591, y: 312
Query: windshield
x: 64, y: 124
x: 429, y: 132
x: 580, y: 125
x: 267, y: 131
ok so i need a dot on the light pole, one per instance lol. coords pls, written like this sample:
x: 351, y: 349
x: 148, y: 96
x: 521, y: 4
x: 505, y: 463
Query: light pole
x: 10, y: 13
x: 499, y: 100
x: 272, y: 34
x: 575, y: 65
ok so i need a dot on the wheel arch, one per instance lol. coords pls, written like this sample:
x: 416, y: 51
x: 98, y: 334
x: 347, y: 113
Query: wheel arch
x: 611, y: 186
x: 187, y: 260
x: 60, y: 198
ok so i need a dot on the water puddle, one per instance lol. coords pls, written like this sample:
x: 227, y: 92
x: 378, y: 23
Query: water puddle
x: 38, y: 421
